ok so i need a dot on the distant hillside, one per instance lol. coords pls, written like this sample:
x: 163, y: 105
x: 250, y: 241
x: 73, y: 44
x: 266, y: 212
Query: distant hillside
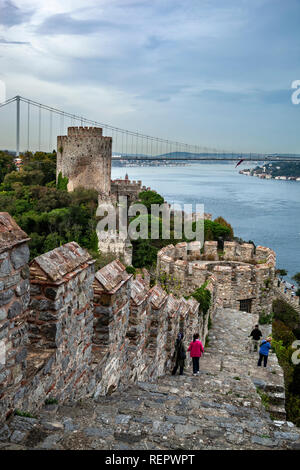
x: 288, y: 169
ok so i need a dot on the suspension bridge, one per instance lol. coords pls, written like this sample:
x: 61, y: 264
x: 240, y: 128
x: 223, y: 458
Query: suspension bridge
x: 37, y: 126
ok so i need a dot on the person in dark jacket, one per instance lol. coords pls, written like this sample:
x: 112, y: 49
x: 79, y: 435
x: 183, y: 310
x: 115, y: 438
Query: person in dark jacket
x: 264, y: 351
x: 256, y: 334
x: 179, y: 355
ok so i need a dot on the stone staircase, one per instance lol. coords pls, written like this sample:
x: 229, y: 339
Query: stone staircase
x: 219, y: 409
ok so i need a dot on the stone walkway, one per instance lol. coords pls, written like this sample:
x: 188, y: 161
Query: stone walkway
x: 219, y: 409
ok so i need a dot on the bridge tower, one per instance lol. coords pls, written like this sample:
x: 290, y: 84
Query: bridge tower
x: 84, y: 157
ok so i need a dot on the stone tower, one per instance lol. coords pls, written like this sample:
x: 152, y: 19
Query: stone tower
x: 84, y: 157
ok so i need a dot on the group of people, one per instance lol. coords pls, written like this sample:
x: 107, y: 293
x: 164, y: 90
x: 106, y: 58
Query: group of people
x: 195, y: 349
x: 262, y: 347
x: 289, y: 287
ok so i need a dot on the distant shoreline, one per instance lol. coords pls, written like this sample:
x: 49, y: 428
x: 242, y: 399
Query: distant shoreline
x: 275, y: 171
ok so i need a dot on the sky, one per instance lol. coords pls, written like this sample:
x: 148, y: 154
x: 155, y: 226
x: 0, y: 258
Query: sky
x: 216, y: 73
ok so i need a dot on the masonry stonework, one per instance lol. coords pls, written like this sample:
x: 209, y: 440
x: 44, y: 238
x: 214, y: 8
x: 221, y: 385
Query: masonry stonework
x: 70, y: 333
x: 243, y: 277
x: 14, y: 300
x: 84, y: 157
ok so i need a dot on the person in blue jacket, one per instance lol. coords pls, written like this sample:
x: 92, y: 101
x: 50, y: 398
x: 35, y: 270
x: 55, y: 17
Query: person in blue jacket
x: 264, y: 351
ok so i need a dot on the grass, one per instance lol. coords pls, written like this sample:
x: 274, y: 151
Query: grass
x: 237, y: 377
x: 25, y: 414
x: 264, y: 399
x: 51, y: 401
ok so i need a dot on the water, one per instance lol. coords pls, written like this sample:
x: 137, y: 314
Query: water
x: 265, y: 211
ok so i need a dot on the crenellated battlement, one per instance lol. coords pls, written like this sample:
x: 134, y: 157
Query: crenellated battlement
x: 84, y: 131
x: 69, y: 333
x: 243, y: 275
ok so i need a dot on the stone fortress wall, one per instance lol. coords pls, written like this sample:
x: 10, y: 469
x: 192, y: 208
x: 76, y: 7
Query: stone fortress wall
x: 84, y: 157
x: 67, y: 332
x: 126, y: 187
x: 293, y: 300
x: 242, y: 275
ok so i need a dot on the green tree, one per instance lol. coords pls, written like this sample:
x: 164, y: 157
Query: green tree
x: 144, y: 254
x: 224, y: 223
x: 6, y: 165
x: 281, y: 272
x: 24, y: 177
x: 150, y: 197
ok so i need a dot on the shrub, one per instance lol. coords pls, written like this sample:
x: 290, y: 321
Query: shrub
x: 285, y: 313
x: 265, y: 319
x: 131, y: 270
x: 62, y: 182
x: 203, y: 296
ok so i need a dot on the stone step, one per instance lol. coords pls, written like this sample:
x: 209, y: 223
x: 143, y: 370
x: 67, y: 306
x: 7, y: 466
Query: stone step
x: 277, y: 412
x: 276, y: 398
x: 276, y: 388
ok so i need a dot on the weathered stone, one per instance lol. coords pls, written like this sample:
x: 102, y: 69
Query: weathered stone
x: 176, y: 419
x: 17, y: 436
x: 97, y: 432
x: 5, y: 267
x: 14, y: 310
x: 185, y: 429
x: 122, y: 419
x: 22, y: 288
x: 52, y: 425
x: 4, y: 433
x: 50, y: 442
x: 50, y: 293
x: 69, y: 425
x: 25, y: 273
x: 263, y: 441
x: 3, y: 314
x: 12, y: 280
x: 21, y: 355
x: 6, y: 296
x: 287, y: 436
x: 20, y: 256
x: 21, y: 423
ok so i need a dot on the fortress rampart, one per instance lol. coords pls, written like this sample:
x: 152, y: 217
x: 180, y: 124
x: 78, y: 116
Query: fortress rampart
x: 127, y: 188
x: 84, y: 157
x: 243, y: 276
x: 67, y: 332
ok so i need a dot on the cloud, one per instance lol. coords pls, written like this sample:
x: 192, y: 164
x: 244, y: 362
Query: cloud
x: 64, y: 24
x: 173, y: 65
x: 248, y: 96
x: 11, y: 15
x: 4, y: 41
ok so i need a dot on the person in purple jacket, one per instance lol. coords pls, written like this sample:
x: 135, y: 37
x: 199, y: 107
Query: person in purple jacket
x: 196, y: 349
